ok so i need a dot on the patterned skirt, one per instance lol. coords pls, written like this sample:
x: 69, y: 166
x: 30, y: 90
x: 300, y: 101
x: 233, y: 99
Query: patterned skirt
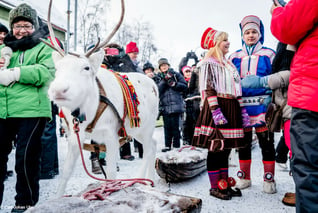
x: 232, y: 132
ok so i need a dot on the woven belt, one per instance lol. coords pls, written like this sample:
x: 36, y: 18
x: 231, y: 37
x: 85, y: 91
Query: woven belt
x: 227, y: 96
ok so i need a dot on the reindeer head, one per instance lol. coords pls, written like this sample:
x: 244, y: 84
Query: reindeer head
x: 74, y: 78
x: 75, y: 74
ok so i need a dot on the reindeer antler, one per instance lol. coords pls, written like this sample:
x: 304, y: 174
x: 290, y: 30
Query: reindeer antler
x: 55, y: 44
x: 102, y: 44
x: 99, y: 45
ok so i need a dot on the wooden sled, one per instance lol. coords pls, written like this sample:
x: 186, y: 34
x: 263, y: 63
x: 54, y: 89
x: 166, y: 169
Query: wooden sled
x: 174, y: 171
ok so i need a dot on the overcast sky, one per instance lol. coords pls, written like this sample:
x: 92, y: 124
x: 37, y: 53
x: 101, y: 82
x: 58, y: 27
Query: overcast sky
x: 179, y: 24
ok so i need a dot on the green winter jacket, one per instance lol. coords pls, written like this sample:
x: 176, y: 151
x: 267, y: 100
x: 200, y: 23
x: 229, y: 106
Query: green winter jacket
x: 28, y: 97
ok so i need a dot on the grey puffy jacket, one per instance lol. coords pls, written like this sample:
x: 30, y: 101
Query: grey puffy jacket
x: 279, y: 82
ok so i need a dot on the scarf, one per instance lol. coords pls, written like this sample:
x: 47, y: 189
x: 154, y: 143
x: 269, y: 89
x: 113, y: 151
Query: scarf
x: 27, y: 42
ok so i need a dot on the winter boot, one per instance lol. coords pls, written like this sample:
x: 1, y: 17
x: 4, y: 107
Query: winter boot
x: 242, y: 182
x: 244, y: 175
x: 219, y: 194
x: 269, y: 185
x: 236, y: 192
x: 289, y: 199
x: 221, y: 191
x: 96, y: 167
x: 166, y: 149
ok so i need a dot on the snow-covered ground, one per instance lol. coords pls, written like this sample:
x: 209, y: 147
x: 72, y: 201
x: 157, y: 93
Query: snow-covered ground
x: 253, y: 199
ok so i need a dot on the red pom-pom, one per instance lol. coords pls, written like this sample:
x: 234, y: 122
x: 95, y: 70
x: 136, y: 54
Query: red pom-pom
x: 222, y: 184
x: 231, y: 181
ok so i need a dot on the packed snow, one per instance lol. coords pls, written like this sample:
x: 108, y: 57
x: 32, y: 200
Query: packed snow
x: 253, y: 199
x: 185, y: 154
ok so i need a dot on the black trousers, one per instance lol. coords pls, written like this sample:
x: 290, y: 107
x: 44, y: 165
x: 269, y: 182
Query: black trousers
x: 218, y: 160
x: 139, y: 147
x: 125, y: 150
x: 304, y: 161
x: 171, y: 123
x: 266, y: 142
x: 192, y: 113
x: 28, y: 132
x: 281, y: 151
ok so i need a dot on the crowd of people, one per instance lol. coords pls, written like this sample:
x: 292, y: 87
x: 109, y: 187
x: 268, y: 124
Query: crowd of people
x: 216, y: 103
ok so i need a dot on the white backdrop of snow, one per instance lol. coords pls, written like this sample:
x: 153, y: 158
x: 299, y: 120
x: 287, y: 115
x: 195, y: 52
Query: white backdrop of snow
x: 253, y: 199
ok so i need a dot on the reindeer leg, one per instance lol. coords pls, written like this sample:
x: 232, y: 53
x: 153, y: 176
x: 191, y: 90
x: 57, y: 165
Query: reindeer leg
x: 112, y: 156
x: 147, y: 169
x: 151, y: 159
x: 69, y: 164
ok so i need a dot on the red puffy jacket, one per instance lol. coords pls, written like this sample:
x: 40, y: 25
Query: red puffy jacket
x: 296, y: 24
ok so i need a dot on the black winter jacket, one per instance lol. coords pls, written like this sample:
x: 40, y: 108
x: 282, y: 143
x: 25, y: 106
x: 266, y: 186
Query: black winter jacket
x: 171, y: 100
x: 126, y: 65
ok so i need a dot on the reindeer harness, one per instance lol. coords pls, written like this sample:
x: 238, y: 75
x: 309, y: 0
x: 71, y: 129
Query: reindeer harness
x: 130, y: 108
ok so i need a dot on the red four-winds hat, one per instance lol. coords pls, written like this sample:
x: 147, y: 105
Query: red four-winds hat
x: 208, y: 39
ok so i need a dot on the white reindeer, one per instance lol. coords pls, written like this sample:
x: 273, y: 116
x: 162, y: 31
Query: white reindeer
x: 75, y: 87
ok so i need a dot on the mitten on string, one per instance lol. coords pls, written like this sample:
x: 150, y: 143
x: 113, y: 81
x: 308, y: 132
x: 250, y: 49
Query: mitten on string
x: 245, y: 118
x: 218, y: 117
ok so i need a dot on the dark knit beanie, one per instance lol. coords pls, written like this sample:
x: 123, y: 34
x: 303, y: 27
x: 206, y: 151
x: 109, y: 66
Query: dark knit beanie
x: 3, y: 28
x: 163, y: 61
x: 23, y: 12
x: 148, y: 65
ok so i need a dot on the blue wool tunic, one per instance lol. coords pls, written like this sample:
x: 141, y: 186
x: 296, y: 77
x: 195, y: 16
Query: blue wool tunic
x: 254, y: 60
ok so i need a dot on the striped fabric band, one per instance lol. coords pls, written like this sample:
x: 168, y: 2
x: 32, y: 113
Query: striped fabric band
x: 257, y: 119
x: 258, y: 129
x: 213, y: 101
x: 227, y: 133
x: 240, y: 100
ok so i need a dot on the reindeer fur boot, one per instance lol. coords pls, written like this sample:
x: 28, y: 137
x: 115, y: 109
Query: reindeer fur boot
x: 269, y: 185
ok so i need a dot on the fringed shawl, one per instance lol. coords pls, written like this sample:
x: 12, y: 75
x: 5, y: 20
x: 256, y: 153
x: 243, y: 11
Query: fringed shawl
x: 224, y: 78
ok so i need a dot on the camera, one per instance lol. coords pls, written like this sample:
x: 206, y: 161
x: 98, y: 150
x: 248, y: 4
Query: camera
x: 281, y: 2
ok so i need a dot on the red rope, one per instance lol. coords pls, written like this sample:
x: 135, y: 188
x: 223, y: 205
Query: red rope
x: 185, y: 147
x: 134, y: 180
x: 103, y: 191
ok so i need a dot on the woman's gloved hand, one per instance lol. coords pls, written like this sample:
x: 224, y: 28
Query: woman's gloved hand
x: 218, y: 117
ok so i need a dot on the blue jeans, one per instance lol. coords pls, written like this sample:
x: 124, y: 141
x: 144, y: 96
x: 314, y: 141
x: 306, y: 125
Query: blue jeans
x: 304, y: 161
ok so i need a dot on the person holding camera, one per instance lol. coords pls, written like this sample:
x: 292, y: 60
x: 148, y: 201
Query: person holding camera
x: 184, y: 61
x: 171, y: 87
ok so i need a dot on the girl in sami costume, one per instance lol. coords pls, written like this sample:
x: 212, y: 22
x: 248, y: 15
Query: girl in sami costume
x: 220, y: 89
x: 254, y: 59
